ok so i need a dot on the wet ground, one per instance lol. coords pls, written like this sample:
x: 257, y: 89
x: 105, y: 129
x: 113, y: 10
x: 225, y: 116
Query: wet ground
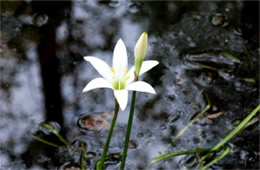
x: 204, y: 49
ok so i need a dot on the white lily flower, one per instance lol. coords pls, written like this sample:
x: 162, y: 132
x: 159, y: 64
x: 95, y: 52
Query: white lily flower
x: 118, y: 77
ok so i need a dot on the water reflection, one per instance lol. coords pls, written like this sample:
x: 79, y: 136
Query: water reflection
x: 43, y: 74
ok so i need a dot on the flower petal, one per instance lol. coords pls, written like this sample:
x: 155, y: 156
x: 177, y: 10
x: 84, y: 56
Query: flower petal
x: 147, y: 65
x: 130, y: 76
x: 122, y: 98
x: 141, y: 86
x: 102, y: 68
x: 141, y: 47
x: 120, y: 61
x: 97, y: 83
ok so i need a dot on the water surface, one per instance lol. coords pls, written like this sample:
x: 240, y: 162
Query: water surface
x: 43, y: 74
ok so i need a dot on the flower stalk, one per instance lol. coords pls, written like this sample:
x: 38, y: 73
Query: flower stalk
x: 140, y: 52
x: 103, y: 156
x: 128, y: 131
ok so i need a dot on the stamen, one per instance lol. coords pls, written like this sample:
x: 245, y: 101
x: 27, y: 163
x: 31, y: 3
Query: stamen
x: 126, y: 78
x: 113, y: 70
x: 126, y: 72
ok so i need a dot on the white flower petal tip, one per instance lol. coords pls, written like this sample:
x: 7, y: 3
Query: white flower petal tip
x: 120, y: 60
x: 102, y: 68
x: 148, y: 65
x: 97, y: 83
x: 122, y: 98
x: 141, y: 86
x: 120, y: 42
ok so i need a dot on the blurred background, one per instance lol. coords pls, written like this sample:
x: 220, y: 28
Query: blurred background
x: 204, y: 48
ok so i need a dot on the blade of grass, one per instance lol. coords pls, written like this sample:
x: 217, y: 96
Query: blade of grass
x: 82, y: 157
x: 230, y: 56
x: 194, y: 119
x: 208, y: 67
x: 233, y: 132
x: 56, y: 133
x: 252, y: 121
x: 219, y: 157
x: 217, y: 147
x: 248, y: 80
x: 250, y: 60
x: 46, y: 142
x: 165, y: 156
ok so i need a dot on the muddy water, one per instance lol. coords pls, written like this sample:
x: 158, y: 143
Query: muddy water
x: 204, y: 49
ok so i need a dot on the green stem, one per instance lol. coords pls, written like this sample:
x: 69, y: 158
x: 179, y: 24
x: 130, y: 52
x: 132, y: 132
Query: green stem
x: 128, y: 132
x: 63, y: 140
x: 55, y: 132
x: 230, y: 56
x: 103, y: 156
x: 250, y: 60
x: 208, y: 67
x: 165, y: 156
x: 82, y: 157
x: 233, y: 132
x: 46, y: 142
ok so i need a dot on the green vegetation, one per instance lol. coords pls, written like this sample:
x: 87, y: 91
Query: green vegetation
x: 225, y: 150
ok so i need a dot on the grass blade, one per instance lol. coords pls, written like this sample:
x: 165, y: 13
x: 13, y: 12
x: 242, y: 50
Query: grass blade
x: 220, y: 156
x: 46, y: 142
x: 56, y: 133
x: 82, y: 156
x: 230, y: 56
x: 233, y: 132
x: 250, y: 60
x: 165, y: 156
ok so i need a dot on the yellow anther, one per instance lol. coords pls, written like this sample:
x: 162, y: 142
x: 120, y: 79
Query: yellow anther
x: 126, y: 78
x: 126, y: 72
x: 113, y: 70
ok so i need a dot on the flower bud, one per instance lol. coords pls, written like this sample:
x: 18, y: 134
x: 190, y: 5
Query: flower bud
x: 140, y: 52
